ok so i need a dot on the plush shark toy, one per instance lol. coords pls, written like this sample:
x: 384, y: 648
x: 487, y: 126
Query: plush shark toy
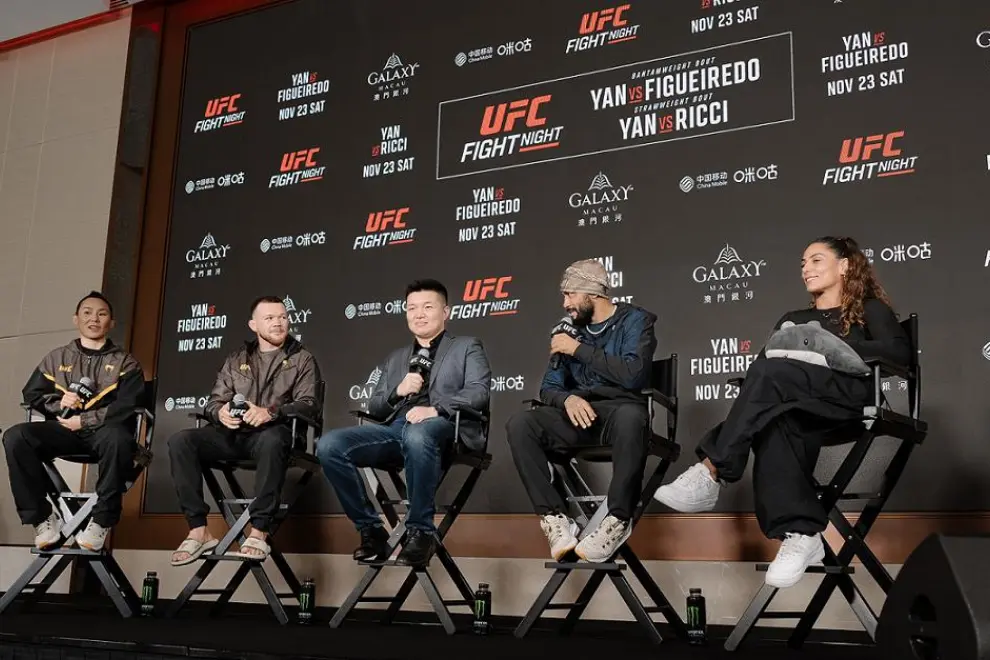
x: 811, y: 343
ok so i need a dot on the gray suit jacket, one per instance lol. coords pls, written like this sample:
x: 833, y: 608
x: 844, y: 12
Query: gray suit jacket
x: 461, y: 377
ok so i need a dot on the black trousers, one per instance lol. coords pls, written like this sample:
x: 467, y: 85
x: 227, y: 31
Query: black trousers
x: 191, y: 449
x: 624, y: 425
x: 786, y: 410
x: 29, y: 444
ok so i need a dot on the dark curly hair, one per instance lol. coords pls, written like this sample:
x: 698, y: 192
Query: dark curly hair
x: 858, y: 284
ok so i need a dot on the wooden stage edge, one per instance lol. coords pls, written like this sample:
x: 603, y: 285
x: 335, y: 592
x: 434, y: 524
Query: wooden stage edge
x: 708, y: 537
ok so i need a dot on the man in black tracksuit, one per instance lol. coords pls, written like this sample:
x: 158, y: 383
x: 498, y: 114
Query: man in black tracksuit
x: 277, y: 376
x: 99, y: 423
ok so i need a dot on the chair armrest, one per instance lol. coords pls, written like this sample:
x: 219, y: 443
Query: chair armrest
x: 888, y: 368
x: 535, y: 403
x: 660, y: 398
x: 365, y: 417
x: 304, y: 419
x: 466, y: 412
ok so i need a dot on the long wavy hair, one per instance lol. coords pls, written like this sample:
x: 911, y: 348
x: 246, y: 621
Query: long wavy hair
x: 858, y: 284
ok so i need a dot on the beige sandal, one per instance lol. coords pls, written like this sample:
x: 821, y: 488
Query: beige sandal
x: 194, y: 549
x: 254, y: 544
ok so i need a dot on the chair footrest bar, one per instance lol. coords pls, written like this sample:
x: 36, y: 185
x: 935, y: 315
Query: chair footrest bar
x: 376, y: 599
x: 457, y: 603
x: 562, y: 606
x: 782, y: 615
x: 229, y: 558
x: 831, y: 570
x: 390, y: 562
x: 75, y: 552
x: 584, y: 566
x: 586, y: 498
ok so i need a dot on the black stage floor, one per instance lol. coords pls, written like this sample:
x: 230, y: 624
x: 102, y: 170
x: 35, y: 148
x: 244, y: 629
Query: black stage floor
x: 73, y: 631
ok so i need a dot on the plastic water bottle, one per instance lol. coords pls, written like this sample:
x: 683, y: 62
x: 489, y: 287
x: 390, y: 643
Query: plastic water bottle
x: 482, y: 609
x: 307, y: 602
x: 697, y: 624
x: 149, y: 594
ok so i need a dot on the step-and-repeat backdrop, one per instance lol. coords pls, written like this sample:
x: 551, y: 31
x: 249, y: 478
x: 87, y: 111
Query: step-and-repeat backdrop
x: 331, y: 152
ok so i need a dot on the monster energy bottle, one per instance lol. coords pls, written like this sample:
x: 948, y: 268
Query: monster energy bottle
x: 149, y: 594
x: 307, y: 602
x: 482, y: 609
x: 696, y: 618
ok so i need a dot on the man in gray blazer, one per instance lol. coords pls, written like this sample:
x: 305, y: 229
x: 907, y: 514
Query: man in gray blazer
x: 423, y: 384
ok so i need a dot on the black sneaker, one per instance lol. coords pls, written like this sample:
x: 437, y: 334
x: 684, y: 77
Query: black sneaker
x: 374, y: 544
x: 418, y: 549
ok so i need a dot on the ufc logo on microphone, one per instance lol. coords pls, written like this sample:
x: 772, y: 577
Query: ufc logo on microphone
x: 382, y: 220
x: 502, y: 118
x: 596, y: 21
x: 476, y: 290
x: 222, y: 104
x: 295, y: 160
x: 854, y: 150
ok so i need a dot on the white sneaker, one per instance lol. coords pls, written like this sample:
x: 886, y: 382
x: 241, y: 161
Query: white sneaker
x: 605, y: 541
x: 796, y: 554
x: 93, y: 537
x: 48, y: 533
x: 562, y: 534
x: 694, y: 491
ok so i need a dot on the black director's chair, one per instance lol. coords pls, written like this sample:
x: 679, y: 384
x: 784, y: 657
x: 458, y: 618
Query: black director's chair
x: 879, y: 421
x: 477, y: 462
x: 76, y: 510
x: 235, y: 509
x: 591, y: 509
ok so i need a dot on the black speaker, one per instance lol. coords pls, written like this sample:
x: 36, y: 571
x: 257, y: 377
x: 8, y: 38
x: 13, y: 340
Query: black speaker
x: 939, y: 606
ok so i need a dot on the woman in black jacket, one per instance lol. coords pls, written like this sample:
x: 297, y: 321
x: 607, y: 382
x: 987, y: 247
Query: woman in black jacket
x: 787, y: 408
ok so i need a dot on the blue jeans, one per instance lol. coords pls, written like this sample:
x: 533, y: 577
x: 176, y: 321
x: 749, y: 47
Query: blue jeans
x: 420, y: 447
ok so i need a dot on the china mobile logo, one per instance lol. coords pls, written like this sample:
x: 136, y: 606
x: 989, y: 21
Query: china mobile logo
x: 873, y: 156
x: 298, y: 167
x: 603, y: 27
x: 487, y: 296
x: 500, y: 123
x: 221, y: 112
x: 385, y: 228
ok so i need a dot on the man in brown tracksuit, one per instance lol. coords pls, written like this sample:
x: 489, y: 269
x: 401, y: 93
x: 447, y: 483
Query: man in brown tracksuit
x: 277, y: 377
x: 97, y: 420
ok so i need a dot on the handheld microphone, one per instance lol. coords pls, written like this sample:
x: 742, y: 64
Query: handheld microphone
x: 238, y: 406
x: 420, y: 363
x: 84, y: 389
x: 566, y: 327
